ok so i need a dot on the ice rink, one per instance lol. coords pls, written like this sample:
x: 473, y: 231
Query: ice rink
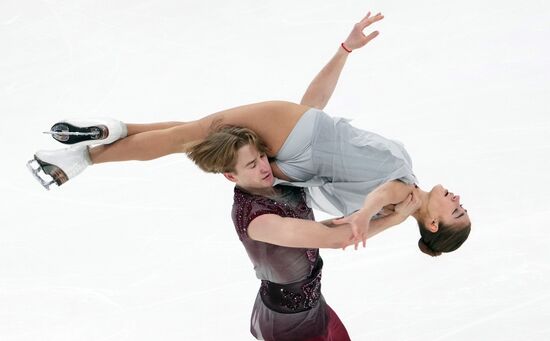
x: 147, y: 250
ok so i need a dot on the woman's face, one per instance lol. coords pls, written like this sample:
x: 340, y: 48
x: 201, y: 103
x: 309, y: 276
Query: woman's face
x: 444, y: 207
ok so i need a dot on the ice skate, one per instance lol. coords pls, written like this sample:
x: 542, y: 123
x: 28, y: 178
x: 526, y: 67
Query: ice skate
x: 58, y: 166
x: 88, y: 131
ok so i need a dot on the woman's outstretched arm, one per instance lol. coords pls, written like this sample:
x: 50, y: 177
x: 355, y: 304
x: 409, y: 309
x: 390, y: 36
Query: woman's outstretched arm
x: 322, y: 87
x: 386, y: 194
x: 272, y: 121
x: 396, y: 215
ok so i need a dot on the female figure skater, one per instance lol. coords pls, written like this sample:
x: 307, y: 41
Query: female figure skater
x: 339, y: 163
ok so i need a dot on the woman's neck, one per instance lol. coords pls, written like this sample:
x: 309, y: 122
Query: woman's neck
x: 422, y: 212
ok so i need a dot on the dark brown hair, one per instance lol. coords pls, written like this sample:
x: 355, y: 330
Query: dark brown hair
x: 447, y: 238
x: 217, y: 153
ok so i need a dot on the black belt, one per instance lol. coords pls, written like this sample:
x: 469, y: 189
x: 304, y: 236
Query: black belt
x: 293, y: 297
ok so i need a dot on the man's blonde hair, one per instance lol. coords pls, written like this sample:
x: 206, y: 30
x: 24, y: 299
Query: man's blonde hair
x: 217, y: 153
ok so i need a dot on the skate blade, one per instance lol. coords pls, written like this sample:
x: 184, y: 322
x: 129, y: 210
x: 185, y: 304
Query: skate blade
x: 69, y: 134
x: 46, y: 174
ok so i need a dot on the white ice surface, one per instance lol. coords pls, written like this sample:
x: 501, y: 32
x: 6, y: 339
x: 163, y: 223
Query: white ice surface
x: 147, y: 251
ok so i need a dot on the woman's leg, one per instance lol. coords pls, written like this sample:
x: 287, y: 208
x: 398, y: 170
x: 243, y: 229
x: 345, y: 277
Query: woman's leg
x: 137, y: 128
x: 149, y: 141
x: 272, y: 121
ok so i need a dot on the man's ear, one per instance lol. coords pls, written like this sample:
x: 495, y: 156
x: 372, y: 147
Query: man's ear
x: 230, y: 176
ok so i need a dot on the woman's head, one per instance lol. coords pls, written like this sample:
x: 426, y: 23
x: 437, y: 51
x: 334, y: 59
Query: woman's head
x: 445, y: 239
x: 445, y: 224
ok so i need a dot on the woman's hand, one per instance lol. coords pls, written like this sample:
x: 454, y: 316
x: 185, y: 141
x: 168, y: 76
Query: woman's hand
x: 408, y: 206
x: 359, y: 222
x: 387, y: 210
x: 357, y: 38
x: 402, y: 210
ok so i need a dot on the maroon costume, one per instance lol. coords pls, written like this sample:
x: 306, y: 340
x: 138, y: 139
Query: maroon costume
x: 289, y: 304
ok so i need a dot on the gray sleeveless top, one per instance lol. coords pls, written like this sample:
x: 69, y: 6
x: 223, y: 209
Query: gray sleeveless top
x: 339, y: 163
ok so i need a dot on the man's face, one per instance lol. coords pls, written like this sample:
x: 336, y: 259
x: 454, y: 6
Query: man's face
x: 252, y: 170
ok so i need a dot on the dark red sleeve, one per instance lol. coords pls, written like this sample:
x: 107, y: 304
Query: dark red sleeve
x: 247, y: 208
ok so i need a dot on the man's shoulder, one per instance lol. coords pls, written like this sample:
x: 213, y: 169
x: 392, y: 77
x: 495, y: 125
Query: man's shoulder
x: 247, y: 207
x: 245, y: 202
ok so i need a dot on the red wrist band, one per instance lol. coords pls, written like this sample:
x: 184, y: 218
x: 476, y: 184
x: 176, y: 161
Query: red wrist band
x: 345, y: 48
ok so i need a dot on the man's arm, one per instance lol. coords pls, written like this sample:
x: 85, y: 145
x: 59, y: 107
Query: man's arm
x: 322, y: 87
x: 292, y: 232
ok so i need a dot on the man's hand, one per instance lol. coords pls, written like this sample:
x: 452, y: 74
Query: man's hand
x: 359, y: 222
x: 357, y: 38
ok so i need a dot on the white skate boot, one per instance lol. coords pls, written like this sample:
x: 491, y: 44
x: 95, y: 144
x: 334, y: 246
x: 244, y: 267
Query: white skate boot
x: 58, y: 166
x: 88, y: 131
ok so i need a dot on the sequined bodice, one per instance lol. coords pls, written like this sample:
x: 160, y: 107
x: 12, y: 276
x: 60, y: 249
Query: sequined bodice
x: 273, y: 262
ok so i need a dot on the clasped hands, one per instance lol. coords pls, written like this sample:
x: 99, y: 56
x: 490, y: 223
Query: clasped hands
x: 359, y: 221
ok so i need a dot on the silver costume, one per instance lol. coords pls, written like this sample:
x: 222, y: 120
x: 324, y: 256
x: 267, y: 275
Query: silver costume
x: 339, y: 163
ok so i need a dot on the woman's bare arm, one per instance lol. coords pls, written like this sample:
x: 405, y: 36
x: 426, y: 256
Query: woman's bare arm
x: 388, y: 193
x: 272, y: 121
x: 322, y: 87
x: 400, y: 213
